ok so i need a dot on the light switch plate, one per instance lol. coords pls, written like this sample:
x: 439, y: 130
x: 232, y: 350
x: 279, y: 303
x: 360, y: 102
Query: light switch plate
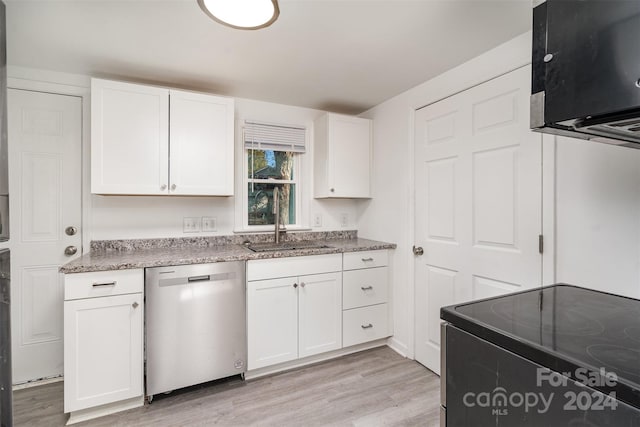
x: 209, y: 223
x: 317, y: 220
x: 190, y: 224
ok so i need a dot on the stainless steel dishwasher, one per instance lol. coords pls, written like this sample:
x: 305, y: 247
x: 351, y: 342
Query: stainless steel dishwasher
x: 195, y: 324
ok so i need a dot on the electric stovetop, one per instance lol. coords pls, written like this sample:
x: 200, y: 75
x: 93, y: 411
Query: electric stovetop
x: 564, y: 328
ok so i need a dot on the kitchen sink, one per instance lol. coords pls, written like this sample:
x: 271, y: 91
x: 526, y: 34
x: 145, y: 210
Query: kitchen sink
x: 285, y: 246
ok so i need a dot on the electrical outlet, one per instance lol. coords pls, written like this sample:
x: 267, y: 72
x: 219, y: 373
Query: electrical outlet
x: 190, y: 224
x: 344, y: 220
x: 317, y: 220
x: 208, y: 223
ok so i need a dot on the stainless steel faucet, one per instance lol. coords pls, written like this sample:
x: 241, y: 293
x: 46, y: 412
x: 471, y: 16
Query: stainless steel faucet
x: 276, y: 211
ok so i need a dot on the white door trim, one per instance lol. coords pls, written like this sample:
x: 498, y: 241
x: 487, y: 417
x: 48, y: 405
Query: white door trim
x: 473, y: 73
x: 549, y: 209
x: 84, y: 93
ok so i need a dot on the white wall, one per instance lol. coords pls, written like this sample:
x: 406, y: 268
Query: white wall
x: 125, y: 217
x: 598, y: 216
x: 389, y: 215
x: 120, y: 217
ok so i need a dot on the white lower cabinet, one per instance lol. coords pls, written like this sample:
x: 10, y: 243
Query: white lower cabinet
x: 272, y: 323
x: 365, y: 297
x: 319, y: 313
x: 293, y: 317
x: 103, y: 339
x: 365, y: 324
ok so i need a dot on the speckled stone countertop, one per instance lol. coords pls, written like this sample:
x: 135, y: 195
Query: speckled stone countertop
x: 141, y: 253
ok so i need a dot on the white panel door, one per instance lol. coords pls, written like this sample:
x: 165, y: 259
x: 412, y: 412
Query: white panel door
x: 45, y: 186
x: 478, y: 201
x: 272, y: 321
x: 201, y: 144
x: 129, y: 138
x: 320, y: 313
x: 103, y: 358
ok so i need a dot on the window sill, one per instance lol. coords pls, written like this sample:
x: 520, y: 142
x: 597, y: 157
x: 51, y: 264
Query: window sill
x: 268, y: 229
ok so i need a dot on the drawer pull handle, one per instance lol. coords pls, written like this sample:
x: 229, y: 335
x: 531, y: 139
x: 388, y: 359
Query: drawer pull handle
x: 366, y: 326
x: 97, y: 285
x: 366, y: 288
x: 367, y: 259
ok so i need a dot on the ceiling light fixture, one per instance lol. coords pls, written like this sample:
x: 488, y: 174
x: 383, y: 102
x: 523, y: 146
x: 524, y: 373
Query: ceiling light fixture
x: 242, y: 14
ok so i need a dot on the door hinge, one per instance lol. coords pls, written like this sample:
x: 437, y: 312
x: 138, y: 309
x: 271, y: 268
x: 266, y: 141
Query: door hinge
x: 541, y: 243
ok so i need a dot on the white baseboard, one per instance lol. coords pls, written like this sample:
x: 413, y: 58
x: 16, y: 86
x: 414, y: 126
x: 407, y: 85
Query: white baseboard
x: 268, y: 370
x: 101, y: 411
x: 36, y: 383
x: 397, y: 346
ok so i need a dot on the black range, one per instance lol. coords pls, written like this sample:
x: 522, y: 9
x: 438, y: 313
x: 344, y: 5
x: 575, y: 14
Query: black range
x: 591, y: 337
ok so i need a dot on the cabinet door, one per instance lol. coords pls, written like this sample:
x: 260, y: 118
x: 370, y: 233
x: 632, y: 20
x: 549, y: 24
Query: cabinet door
x: 129, y: 138
x: 349, y: 156
x: 320, y: 313
x: 103, y: 340
x: 201, y: 144
x: 272, y: 322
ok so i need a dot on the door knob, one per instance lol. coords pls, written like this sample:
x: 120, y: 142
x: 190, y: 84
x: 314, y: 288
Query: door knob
x: 418, y: 250
x: 71, y: 230
x: 70, y: 250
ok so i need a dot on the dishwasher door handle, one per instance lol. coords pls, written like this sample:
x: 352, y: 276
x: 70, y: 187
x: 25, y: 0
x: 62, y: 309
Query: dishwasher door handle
x: 182, y: 280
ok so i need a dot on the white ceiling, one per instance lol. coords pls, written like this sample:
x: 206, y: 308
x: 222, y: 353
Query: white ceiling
x: 337, y: 55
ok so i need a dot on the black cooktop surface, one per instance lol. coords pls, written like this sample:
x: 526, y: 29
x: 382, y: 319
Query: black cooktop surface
x: 562, y: 327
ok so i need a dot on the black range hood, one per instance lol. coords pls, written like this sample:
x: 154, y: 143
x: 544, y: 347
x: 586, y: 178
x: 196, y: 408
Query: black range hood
x: 586, y: 70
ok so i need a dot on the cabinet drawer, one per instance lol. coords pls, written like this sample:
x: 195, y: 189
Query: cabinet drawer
x: 364, y: 324
x: 103, y: 283
x: 364, y: 287
x: 365, y: 259
x: 260, y: 269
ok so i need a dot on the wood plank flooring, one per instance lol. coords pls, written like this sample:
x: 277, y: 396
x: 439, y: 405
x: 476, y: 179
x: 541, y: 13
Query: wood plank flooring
x: 372, y: 388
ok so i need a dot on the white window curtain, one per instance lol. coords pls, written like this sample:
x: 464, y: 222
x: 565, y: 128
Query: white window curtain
x: 265, y: 136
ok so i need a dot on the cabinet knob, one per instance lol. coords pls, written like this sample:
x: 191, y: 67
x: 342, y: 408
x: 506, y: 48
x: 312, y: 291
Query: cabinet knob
x: 173, y: 187
x: 135, y: 305
x: 302, y: 285
x: 333, y: 190
x: 163, y: 187
x: 71, y: 231
x: 295, y: 285
x: 70, y: 250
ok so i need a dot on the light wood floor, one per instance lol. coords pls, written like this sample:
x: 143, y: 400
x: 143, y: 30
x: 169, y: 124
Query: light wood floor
x: 373, y: 388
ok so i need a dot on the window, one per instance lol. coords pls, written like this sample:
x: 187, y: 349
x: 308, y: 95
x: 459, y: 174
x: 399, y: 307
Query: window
x: 272, y: 154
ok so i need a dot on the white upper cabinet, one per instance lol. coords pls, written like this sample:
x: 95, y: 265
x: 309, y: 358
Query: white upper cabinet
x: 129, y: 138
x: 149, y: 140
x: 342, y: 156
x: 200, y: 144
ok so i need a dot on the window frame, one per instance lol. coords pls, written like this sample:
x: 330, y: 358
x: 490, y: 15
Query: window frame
x: 302, y: 170
x: 246, y: 181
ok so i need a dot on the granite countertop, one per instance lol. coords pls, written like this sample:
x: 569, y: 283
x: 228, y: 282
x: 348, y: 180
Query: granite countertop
x: 128, y: 254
